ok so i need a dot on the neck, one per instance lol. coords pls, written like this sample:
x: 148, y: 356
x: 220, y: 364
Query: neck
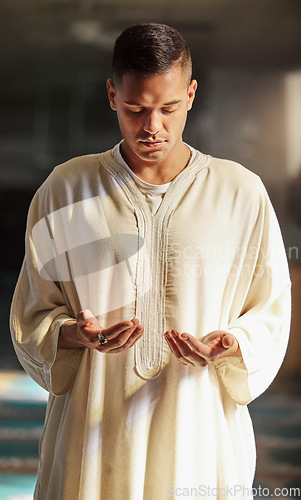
x: 160, y: 172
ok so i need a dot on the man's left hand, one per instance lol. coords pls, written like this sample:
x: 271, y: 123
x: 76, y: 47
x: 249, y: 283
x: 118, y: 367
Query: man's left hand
x: 199, y: 352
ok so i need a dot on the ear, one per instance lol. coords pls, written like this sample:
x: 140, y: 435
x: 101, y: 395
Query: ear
x: 191, y: 93
x: 111, y: 93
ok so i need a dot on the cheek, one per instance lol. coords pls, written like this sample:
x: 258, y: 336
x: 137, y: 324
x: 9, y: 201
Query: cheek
x: 127, y: 125
x: 177, y: 125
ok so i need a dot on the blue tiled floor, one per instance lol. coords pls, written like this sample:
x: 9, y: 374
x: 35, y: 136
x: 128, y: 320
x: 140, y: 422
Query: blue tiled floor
x: 22, y: 410
x: 16, y: 486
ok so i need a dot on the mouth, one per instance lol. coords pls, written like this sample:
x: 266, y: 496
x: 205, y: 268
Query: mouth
x: 152, y: 144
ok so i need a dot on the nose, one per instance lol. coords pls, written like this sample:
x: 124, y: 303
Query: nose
x: 151, y: 123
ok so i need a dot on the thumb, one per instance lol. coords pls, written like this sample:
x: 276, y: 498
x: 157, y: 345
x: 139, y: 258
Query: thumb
x: 228, y: 341
x: 87, y: 321
x: 86, y: 314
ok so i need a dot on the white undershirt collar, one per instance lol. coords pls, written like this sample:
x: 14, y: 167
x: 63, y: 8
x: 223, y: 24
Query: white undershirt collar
x: 153, y: 192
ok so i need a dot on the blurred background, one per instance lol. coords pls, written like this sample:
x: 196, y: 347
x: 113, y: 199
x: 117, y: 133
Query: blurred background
x: 55, y: 58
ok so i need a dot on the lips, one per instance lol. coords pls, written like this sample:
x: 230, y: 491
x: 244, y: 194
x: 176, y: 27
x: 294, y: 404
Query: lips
x: 152, y: 144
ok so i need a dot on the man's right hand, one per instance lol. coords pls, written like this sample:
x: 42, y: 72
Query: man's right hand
x: 83, y: 332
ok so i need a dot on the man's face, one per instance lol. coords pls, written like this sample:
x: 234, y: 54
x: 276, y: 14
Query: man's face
x: 152, y: 113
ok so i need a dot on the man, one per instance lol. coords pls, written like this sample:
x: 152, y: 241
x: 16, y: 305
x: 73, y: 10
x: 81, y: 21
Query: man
x: 154, y: 300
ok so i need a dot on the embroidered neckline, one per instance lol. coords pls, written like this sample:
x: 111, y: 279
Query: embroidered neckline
x: 151, y: 351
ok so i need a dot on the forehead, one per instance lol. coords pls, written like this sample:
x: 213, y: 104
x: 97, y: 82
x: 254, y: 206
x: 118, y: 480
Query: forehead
x: 165, y: 87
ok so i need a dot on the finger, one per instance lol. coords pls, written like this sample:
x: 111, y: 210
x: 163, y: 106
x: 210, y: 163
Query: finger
x: 87, y: 320
x: 198, y: 346
x: 87, y: 314
x: 173, y: 345
x: 123, y: 338
x: 132, y: 339
x: 231, y: 345
x: 88, y: 327
x: 114, y: 331
x: 229, y: 341
x: 123, y: 342
x: 135, y: 336
x: 221, y: 343
x: 188, y: 349
x: 118, y: 336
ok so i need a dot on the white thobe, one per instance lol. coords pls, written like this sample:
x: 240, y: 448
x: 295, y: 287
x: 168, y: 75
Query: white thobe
x: 138, y: 424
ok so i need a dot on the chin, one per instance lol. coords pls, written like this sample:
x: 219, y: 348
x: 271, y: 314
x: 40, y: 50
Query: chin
x: 153, y: 156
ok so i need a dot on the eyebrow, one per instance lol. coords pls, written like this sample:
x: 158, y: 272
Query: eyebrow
x: 171, y: 103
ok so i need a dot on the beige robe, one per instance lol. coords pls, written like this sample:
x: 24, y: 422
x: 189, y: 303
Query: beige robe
x: 139, y: 425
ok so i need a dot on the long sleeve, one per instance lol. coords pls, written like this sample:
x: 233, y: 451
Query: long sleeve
x: 39, y: 308
x: 261, y: 322
x: 70, y: 260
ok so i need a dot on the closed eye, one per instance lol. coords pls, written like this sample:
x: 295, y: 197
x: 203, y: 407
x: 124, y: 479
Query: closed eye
x: 168, y: 110
x: 135, y: 109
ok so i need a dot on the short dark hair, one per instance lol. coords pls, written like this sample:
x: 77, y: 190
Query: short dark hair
x: 150, y: 49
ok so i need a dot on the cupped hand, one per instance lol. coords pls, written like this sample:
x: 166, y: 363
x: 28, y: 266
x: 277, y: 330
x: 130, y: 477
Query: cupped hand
x: 199, y: 352
x: 83, y: 332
